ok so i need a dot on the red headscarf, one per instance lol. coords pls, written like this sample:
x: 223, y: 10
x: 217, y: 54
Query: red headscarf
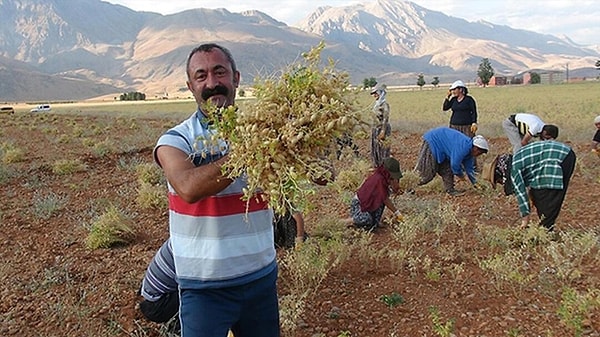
x: 374, y: 190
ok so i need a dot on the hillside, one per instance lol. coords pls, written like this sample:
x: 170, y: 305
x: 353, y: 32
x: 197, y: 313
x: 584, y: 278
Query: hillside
x: 109, y: 48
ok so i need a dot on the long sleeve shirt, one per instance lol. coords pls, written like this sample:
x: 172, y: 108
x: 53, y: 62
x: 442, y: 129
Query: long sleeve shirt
x: 449, y: 144
x: 537, y: 165
x: 463, y: 112
x: 381, y: 110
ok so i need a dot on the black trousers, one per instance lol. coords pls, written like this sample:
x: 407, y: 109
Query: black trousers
x: 162, y: 310
x: 548, y: 202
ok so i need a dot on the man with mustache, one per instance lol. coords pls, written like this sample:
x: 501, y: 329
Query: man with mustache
x: 222, y: 246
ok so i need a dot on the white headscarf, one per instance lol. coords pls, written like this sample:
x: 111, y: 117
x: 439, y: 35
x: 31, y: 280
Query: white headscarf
x: 381, y: 91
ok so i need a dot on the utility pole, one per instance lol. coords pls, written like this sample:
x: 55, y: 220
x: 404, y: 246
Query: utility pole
x: 567, y: 72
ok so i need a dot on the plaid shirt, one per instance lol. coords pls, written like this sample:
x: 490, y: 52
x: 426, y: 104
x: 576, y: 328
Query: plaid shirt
x: 537, y: 165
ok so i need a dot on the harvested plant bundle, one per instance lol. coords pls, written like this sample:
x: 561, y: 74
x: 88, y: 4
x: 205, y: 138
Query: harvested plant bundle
x: 282, y: 140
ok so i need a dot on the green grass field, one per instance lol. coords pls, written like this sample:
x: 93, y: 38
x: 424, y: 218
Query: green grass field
x: 570, y: 106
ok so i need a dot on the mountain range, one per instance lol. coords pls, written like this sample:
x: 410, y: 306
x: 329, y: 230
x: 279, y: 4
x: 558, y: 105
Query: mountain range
x: 72, y: 50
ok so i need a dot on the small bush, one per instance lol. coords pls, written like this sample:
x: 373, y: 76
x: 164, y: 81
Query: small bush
x: 103, y: 148
x: 88, y: 142
x: 410, y: 180
x: 152, y: 197
x: 392, y: 300
x: 11, y: 154
x: 48, y: 205
x: 111, y: 228
x: 5, y: 174
x: 350, y: 179
x: 575, y: 308
x: 68, y: 166
x: 442, y: 329
x: 149, y: 173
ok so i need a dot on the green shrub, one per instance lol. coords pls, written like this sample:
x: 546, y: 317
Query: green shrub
x: 392, y: 299
x: 47, y: 205
x: 149, y: 173
x: 111, y: 228
x: 103, y: 148
x: 11, y: 154
x: 5, y: 174
x: 576, y: 308
x: 442, y: 329
x: 68, y: 166
x: 152, y: 197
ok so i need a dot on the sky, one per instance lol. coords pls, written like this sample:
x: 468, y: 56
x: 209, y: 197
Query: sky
x: 577, y: 19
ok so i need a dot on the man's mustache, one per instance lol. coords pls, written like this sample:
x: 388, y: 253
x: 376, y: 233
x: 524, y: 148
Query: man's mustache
x: 218, y: 90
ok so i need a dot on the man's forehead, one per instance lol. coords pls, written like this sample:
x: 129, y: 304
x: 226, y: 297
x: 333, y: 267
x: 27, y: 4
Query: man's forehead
x: 213, y: 59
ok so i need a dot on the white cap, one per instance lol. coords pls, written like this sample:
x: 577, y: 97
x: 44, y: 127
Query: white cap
x: 480, y: 142
x: 457, y: 84
x: 597, y: 120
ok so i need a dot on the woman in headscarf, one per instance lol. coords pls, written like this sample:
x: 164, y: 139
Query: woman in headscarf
x: 380, y: 148
x: 369, y: 202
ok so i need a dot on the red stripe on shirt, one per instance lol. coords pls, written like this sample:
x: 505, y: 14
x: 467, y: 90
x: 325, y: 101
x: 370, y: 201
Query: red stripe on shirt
x: 217, y: 205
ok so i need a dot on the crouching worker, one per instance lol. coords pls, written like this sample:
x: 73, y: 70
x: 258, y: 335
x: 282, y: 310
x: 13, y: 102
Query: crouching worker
x: 159, y: 290
x: 446, y: 152
x: 369, y: 202
x: 498, y: 172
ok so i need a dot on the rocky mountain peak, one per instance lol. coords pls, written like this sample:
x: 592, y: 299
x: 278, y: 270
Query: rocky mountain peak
x: 94, y: 44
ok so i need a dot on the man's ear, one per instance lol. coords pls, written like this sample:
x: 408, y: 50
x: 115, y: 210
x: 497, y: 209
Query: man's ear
x: 236, y: 79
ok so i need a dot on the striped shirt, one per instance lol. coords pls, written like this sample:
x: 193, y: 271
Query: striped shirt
x: 160, y: 275
x: 220, y: 240
x: 528, y: 123
x: 537, y: 165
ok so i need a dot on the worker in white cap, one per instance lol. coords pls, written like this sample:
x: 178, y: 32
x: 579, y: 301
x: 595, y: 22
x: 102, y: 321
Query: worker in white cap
x: 464, y: 109
x: 449, y: 153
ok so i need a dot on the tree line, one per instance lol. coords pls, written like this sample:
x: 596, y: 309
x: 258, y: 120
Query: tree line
x: 485, y: 72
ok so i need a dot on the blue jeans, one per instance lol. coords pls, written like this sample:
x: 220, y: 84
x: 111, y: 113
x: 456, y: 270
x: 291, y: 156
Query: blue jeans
x: 249, y: 310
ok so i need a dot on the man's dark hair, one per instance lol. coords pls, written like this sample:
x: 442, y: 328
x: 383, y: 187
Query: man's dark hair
x: 207, y: 47
x: 551, y: 130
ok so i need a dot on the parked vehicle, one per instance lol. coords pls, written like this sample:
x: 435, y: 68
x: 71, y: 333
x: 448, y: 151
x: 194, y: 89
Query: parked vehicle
x: 41, y: 108
x: 7, y: 110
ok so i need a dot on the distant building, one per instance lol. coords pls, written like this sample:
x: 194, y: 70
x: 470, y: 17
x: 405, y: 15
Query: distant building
x: 546, y: 77
x: 516, y: 80
x: 577, y: 79
x: 552, y: 77
x: 497, y: 80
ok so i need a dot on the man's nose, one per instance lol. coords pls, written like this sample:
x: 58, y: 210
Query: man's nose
x: 212, y: 81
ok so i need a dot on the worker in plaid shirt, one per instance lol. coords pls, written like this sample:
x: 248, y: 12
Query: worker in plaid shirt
x: 545, y: 167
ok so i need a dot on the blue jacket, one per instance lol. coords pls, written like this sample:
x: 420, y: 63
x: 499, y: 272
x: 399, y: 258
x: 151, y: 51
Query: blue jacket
x: 449, y: 144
